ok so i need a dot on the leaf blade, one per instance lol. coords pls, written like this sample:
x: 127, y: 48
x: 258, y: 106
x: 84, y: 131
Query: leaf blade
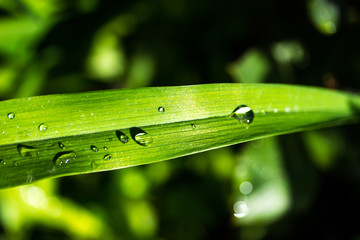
x: 80, y: 121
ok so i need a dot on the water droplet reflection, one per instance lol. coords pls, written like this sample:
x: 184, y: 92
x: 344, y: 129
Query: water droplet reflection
x: 61, y: 145
x: 94, y: 148
x: 11, y: 115
x: 63, y: 158
x: 240, y: 209
x: 43, y: 127
x: 27, y: 151
x: 122, y: 136
x: 246, y: 187
x: 140, y: 136
x: 161, y: 109
x: 243, y: 114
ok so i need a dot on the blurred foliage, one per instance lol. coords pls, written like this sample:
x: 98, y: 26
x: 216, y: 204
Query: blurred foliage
x: 290, y: 187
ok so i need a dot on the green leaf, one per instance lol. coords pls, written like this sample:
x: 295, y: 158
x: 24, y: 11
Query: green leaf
x: 67, y: 134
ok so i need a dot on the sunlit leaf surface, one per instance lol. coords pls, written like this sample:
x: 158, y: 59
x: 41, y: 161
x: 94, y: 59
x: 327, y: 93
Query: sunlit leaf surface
x: 69, y: 134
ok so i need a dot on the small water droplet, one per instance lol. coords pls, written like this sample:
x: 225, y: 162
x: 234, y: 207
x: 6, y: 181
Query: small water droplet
x: 246, y: 187
x: 94, y: 148
x: 161, y: 109
x: 61, y: 145
x: 27, y: 151
x: 62, y: 158
x: 193, y: 126
x: 11, y: 115
x: 243, y: 114
x: 43, y: 127
x: 140, y: 136
x: 15, y: 164
x: 105, y: 148
x: 110, y: 139
x: 240, y: 209
x: 3, y: 132
x: 2, y: 162
x: 122, y: 137
x: 263, y: 112
x: 107, y: 157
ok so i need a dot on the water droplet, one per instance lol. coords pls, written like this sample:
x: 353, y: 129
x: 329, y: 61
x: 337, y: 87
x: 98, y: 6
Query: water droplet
x: 11, y: 115
x: 27, y: 151
x: 62, y: 158
x: 122, y: 137
x: 15, y: 164
x: 263, y: 112
x: 140, y: 136
x: 43, y: 127
x: 240, y: 209
x: 161, y: 109
x: 2, y: 162
x: 193, y: 126
x: 105, y: 148
x: 243, y: 114
x: 107, y: 157
x: 61, y: 145
x: 110, y: 139
x: 246, y: 187
x: 94, y: 148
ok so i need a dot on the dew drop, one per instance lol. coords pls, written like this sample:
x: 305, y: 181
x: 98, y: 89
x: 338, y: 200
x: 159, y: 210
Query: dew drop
x: 94, y: 148
x: 11, y: 115
x: 63, y: 158
x: 122, y: 137
x: 15, y: 164
x: 140, y: 136
x: 240, y: 209
x: 105, y: 148
x: 193, y: 126
x: 43, y: 127
x: 2, y: 162
x: 27, y: 151
x: 110, y: 139
x: 243, y: 114
x: 61, y: 145
x: 161, y: 109
x: 107, y: 157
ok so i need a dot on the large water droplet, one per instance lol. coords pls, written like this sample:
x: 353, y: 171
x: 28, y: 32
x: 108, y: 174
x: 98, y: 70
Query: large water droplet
x: 61, y: 145
x: 43, y: 127
x: 27, y: 151
x: 94, y: 148
x: 107, y: 157
x: 122, y: 137
x: 240, y: 209
x: 63, y: 158
x: 161, y: 109
x: 243, y: 114
x: 140, y: 136
x: 11, y: 115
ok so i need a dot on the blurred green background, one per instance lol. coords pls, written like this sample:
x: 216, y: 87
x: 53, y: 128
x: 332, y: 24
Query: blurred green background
x: 298, y: 186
